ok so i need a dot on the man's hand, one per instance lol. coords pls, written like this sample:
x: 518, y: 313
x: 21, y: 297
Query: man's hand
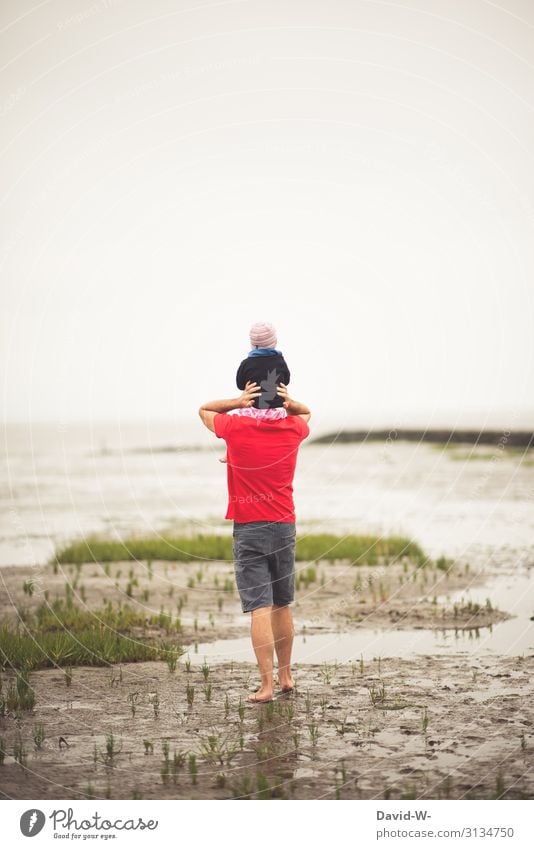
x: 209, y: 410
x: 251, y: 391
x: 294, y: 408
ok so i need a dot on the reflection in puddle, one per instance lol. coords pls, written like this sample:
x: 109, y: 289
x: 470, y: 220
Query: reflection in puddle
x: 305, y: 772
x: 513, y: 637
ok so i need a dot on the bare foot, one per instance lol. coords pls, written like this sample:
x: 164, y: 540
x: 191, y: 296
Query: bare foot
x: 261, y: 695
x: 286, y: 682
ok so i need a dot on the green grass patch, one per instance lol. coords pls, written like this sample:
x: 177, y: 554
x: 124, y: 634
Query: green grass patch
x: 360, y: 549
x: 35, y: 650
x: 65, y: 635
x: 61, y: 615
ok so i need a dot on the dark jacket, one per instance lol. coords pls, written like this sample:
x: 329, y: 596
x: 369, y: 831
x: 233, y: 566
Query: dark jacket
x: 269, y: 372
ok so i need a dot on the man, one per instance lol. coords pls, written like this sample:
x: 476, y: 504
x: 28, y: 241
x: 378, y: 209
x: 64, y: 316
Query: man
x: 261, y: 464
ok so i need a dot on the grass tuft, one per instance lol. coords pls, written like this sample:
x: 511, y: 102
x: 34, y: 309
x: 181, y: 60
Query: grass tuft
x: 62, y: 634
x: 358, y: 549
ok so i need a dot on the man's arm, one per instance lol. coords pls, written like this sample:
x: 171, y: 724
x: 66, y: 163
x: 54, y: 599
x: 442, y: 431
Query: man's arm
x: 294, y: 408
x: 209, y: 410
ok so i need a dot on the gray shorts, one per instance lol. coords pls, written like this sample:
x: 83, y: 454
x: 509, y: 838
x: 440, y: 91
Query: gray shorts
x: 264, y: 555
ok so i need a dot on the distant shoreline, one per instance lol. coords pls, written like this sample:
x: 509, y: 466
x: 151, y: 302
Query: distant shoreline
x: 498, y: 438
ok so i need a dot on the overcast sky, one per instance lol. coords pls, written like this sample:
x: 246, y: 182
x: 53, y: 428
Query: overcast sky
x: 358, y: 173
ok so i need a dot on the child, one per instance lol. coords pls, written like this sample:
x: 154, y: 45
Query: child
x: 265, y: 366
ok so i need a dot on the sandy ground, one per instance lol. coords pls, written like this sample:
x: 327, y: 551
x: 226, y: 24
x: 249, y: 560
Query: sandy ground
x: 450, y: 726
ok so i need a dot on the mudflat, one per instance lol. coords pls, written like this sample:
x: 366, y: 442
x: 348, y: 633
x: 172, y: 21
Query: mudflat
x: 454, y: 725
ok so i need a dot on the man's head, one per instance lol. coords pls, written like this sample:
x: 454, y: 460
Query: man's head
x: 263, y: 335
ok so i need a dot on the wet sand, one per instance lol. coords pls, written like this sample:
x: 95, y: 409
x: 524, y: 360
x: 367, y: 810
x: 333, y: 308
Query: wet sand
x: 457, y: 725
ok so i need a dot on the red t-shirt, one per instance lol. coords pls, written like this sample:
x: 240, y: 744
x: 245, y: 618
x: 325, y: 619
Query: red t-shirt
x: 261, y: 464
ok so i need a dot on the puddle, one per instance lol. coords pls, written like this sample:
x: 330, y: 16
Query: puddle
x: 305, y: 772
x: 318, y: 648
x: 512, y: 593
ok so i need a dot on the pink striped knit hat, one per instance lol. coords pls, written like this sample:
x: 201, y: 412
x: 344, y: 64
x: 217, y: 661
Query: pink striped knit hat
x: 263, y: 335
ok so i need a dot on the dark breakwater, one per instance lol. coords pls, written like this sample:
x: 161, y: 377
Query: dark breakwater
x: 497, y: 438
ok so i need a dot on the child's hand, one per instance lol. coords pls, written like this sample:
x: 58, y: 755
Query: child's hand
x: 250, y: 393
x: 294, y: 408
x: 282, y: 391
